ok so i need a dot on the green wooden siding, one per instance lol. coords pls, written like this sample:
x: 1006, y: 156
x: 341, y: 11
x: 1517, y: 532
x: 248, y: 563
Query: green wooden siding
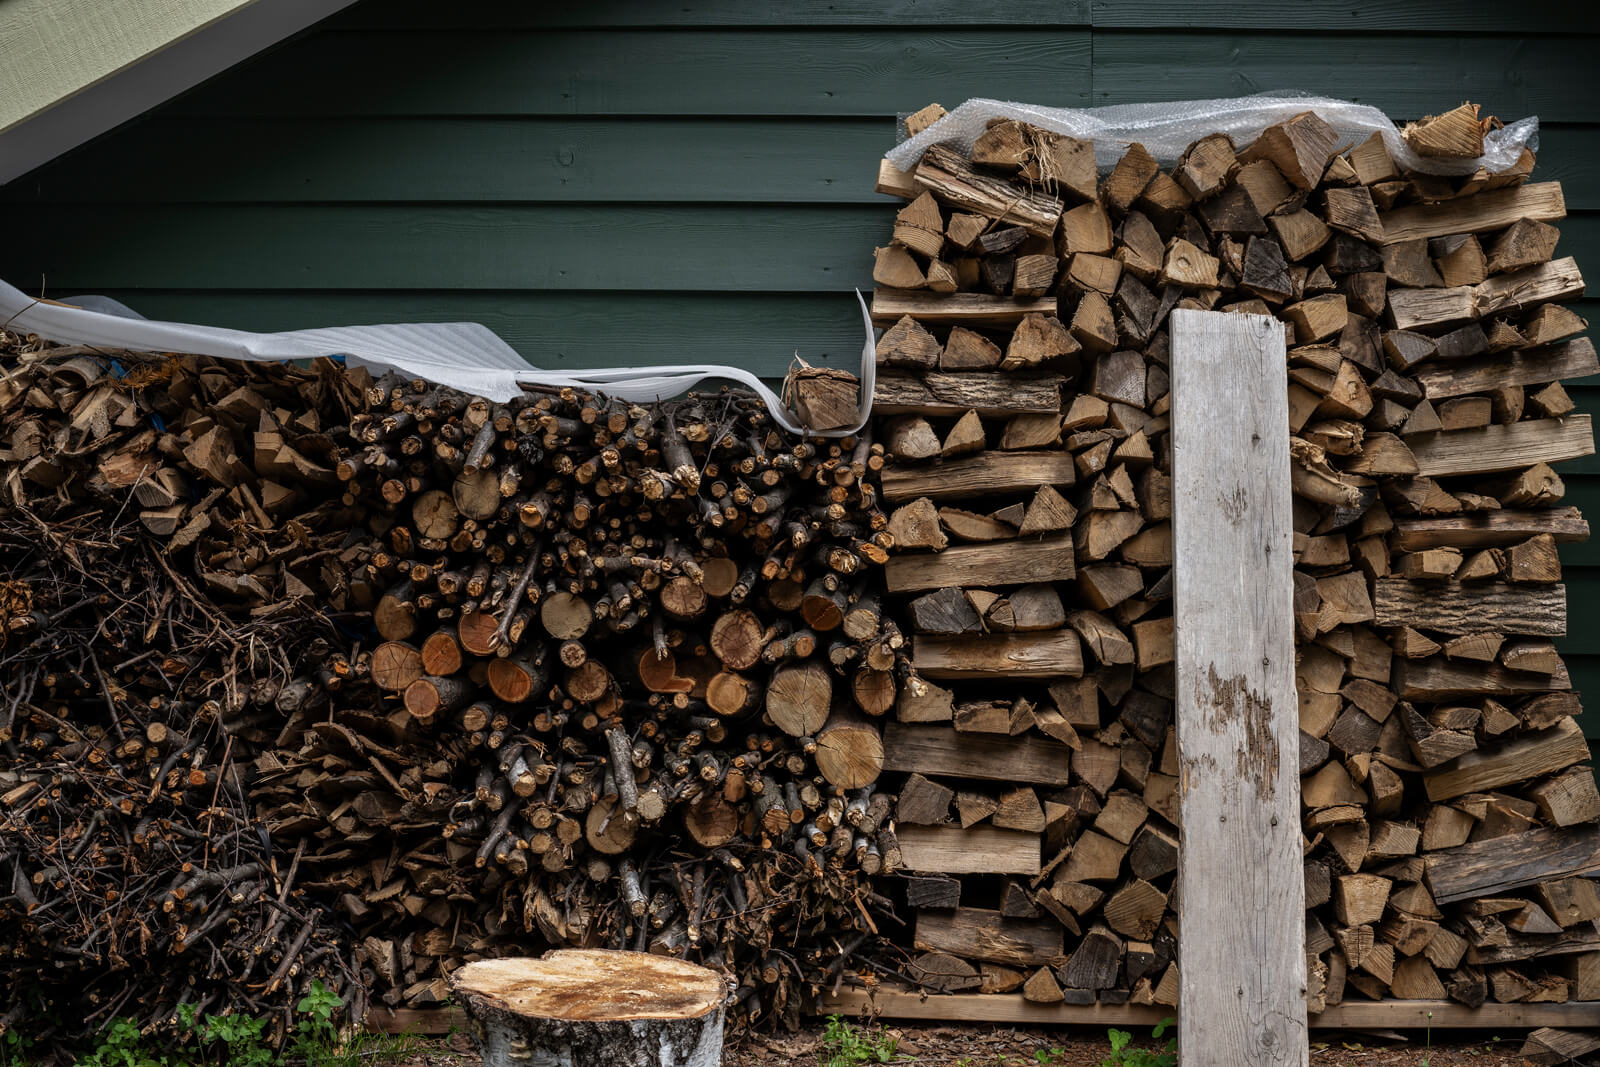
x: 628, y: 181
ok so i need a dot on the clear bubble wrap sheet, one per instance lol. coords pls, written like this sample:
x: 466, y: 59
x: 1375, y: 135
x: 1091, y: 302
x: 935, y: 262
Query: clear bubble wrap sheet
x: 1167, y: 129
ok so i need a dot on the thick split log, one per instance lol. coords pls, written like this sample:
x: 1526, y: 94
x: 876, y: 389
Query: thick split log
x: 986, y: 475
x: 1043, y: 655
x: 890, y: 305
x: 1491, y: 449
x: 1438, y: 679
x: 1532, y: 755
x: 1489, y: 529
x: 1494, y: 866
x: 978, y: 850
x: 1569, y: 359
x: 936, y: 750
x: 1456, y: 608
x: 971, y: 933
x: 953, y: 180
x: 954, y: 394
x: 1542, y: 201
x: 1003, y: 564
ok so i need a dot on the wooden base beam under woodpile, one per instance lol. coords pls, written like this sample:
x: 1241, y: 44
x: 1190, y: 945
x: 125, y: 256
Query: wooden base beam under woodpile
x: 1356, y: 1015
x: 1013, y: 1008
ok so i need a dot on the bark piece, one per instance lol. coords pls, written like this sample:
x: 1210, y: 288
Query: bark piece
x: 900, y: 392
x: 1455, y: 608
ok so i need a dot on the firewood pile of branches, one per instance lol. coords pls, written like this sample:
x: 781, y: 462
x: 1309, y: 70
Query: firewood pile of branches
x: 135, y: 875
x: 315, y: 676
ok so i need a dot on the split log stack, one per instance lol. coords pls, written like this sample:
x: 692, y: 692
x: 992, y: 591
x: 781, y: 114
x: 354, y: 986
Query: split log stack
x: 1023, y: 397
x: 324, y: 677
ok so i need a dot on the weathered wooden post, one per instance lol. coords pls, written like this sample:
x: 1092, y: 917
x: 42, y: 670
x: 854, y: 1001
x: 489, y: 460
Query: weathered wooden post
x: 587, y: 1008
x: 1241, y: 888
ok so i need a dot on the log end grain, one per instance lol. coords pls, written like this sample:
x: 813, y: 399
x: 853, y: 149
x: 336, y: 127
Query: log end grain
x: 589, y: 984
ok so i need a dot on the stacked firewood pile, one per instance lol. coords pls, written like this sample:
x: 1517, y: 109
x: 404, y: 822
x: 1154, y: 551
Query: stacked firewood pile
x: 1024, y: 386
x: 167, y: 571
x: 312, y: 676
x: 322, y: 677
x: 624, y: 668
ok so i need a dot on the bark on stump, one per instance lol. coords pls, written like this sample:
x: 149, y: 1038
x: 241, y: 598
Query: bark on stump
x: 589, y: 1008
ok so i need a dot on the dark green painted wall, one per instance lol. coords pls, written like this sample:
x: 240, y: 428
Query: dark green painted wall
x: 627, y: 181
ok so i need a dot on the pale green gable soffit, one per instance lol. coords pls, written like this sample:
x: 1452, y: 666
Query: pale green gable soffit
x: 76, y: 68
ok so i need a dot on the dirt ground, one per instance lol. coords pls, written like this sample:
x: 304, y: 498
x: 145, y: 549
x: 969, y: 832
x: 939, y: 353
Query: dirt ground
x: 999, y: 1046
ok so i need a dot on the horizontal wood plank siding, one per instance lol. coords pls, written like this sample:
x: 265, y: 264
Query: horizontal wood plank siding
x: 547, y: 159
x: 557, y: 330
x: 629, y: 246
x: 632, y: 182
x: 865, y: 71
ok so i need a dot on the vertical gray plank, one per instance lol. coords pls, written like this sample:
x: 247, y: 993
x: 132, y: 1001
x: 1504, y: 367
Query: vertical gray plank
x: 1242, y: 895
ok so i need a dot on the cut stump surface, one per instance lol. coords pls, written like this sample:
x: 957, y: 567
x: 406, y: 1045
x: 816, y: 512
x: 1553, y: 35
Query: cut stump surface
x: 629, y: 1009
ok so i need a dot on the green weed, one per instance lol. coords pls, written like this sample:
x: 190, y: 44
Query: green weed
x: 123, y: 1045
x: 14, y: 1049
x: 1123, y: 1054
x: 237, y: 1041
x: 845, y: 1046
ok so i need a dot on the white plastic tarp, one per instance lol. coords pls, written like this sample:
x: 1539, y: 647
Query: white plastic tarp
x: 462, y: 355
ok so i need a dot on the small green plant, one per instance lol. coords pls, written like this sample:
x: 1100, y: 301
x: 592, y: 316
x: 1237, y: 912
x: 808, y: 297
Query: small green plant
x: 1124, y: 1054
x: 123, y: 1045
x: 318, y: 1042
x: 1049, y: 1055
x: 202, y: 1040
x: 316, y: 1035
x: 237, y: 1041
x: 14, y: 1049
x: 1427, y: 1049
x: 845, y: 1046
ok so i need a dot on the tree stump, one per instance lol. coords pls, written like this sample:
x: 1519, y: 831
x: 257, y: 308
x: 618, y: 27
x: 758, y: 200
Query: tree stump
x: 589, y: 1008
